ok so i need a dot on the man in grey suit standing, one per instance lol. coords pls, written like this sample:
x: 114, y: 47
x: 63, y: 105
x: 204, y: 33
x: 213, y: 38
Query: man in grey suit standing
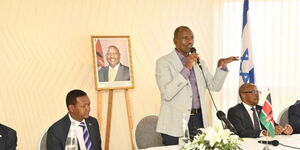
x: 86, y: 127
x: 115, y: 71
x: 182, y: 87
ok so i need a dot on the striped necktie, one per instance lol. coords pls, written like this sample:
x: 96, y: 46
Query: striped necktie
x: 86, y: 136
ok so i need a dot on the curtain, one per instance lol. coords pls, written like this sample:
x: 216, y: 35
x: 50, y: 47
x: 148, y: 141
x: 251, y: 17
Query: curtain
x: 275, y: 40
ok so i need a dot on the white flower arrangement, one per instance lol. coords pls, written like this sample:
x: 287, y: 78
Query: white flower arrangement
x: 214, y: 138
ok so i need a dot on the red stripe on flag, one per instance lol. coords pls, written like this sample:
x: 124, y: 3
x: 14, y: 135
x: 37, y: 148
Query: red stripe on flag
x: 266, y: 116
x: 267, y: 109
x: 99, y: 53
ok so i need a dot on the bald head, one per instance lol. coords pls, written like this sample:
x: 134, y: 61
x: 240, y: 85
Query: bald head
x: 244, y: 87
x: 178, y: 29
x: 249, y: 94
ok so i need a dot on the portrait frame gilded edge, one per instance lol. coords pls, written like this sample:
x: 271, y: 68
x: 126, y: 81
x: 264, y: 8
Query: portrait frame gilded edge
x: 102, y: 60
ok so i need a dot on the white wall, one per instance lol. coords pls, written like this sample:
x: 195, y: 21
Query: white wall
x: 46, y: 51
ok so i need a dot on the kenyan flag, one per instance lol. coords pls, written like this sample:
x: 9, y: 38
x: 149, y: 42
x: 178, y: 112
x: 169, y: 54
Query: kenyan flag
x: 266, y: 116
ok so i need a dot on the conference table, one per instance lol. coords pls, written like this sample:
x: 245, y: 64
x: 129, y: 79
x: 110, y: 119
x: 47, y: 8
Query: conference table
x: 252, y: 143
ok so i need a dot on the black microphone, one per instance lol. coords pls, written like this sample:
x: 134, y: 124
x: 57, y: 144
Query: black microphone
x: 274, y: 142
x: 193, y: 50
x: 221, y: 115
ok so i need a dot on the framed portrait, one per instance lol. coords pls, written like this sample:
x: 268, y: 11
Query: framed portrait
x: 112, y: 62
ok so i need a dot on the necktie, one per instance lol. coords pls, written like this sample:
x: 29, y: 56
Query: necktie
x: 112, y: 75
x: 196, y: 95
x: 256, y: 123
x: 86, y: 137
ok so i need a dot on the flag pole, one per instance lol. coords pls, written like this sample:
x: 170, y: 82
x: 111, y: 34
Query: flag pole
x: 267, y: 148
x: 246, y: 70
x: 267, y: 139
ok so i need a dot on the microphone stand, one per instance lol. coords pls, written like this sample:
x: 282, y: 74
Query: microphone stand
x: 220, y: 114
x: 266, y: 146
x: 209, y: 90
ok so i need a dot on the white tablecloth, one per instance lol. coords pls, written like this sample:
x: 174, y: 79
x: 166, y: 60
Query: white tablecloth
x: 252, y: 144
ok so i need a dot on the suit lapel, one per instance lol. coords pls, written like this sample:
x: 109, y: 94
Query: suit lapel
x: 119, y: 73
x: 2, y: 144
x: 91, y: 128
x: 174, y: 59
x: 66, y: 126
x: 258, y: 110
x: 106, y: 70
x: 248, y: 120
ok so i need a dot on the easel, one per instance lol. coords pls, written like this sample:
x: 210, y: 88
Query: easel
x: 109, y: 114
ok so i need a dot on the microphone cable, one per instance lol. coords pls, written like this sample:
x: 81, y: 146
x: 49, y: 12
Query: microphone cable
x: 208, y: 87
x: 212, y: 99
x: 193, y: 50
x: 229, y: 126
x: 289, y: 146
x: 276, y: 143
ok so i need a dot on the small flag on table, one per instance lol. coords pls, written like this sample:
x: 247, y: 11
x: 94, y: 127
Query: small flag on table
x: 266, y: 116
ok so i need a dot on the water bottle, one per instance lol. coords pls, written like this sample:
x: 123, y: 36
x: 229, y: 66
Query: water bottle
x: 71, y: 142
x: 186, y: 135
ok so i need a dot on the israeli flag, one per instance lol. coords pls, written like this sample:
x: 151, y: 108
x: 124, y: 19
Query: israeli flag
x: 247, y: 62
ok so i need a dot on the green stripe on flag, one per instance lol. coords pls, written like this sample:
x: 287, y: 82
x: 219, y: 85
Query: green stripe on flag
x: 268, y: 125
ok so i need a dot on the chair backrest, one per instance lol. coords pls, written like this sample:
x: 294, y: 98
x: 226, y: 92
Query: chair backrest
x: 145, y: 134
x: 43, y: 142
x: 283, y: 117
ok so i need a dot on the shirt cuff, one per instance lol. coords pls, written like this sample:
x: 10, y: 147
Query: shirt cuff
x: 261, y: 133
x: 224, y: 68
x: 185, y: 72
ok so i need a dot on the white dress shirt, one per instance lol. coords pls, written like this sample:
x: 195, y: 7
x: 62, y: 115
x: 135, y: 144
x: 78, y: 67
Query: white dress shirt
x: 250, y: 112
x: 79, y: 132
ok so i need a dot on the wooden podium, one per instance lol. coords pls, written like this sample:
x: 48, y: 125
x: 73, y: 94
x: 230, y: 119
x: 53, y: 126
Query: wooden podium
x: 109, y: 114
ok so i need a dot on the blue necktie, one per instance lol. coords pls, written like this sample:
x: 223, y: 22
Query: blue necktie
x: 86, y: 137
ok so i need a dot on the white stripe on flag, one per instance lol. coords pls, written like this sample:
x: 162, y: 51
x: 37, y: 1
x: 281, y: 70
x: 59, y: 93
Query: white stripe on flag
x: 247, y: 63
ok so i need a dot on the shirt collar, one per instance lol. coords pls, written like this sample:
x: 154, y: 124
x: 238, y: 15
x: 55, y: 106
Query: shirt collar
x: 115, y: 68
x: 181, y: 57
x: 75, y: 121
x: 248, y: 107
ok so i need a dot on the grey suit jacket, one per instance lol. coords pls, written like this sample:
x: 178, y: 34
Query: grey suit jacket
x: 8, y: 138
x: 176, y: 93
x: 122, y: 74
x: 58, y: 132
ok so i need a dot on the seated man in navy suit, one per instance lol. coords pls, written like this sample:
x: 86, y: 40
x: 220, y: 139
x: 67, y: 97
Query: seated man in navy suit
x: 8, y: 138
x: 294, y: 116
x: 78, y: 104
x: 244, y: 116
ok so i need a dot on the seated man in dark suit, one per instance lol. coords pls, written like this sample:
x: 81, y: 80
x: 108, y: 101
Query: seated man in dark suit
x: 8, y: 138
x: 294, y: 116
x: 245, y: 116
x: 78, y: 104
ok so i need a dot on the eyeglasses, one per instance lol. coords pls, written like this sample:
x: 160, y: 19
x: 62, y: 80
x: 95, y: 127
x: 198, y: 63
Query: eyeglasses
x: 254, y: 92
